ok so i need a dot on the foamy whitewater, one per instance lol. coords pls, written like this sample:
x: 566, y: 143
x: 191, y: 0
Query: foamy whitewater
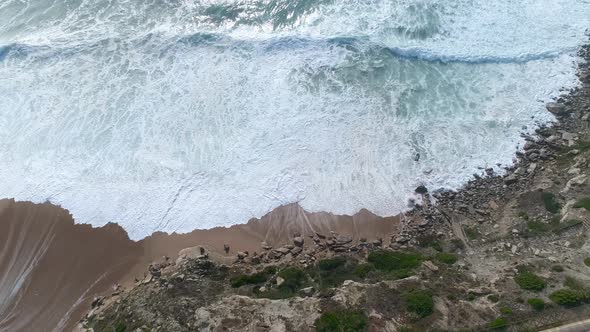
x: 171, y: 115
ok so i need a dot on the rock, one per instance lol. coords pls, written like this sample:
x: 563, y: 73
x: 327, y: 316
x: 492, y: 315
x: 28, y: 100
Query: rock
x: 568, y: 136
x: 307, y: 291
x: 298, y: 241
x: 378, y: 242
x: 262, y: 289
x: 265, y: 246
x: 532, y: 168
x: 493, y: 205
x: 431, y: 266
x: 586, y: 117
x: 296, y: 251
x: 321, y: 236
x: 576, y: 181
x: 421, y: 190
x: 515, y: 231
x: 537, y: 252
x: 97, y: 301
x: 147, y: 279
x: 514, y: 249
x: 283, y: 250
x: 347, y: 282
x: 241, y: 255
x: 280, y: 281
x: 510, y: 179
x: 341, y: 240
x: 556, y: 108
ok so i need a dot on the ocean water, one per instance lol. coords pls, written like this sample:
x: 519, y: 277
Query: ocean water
x: 171, y: 115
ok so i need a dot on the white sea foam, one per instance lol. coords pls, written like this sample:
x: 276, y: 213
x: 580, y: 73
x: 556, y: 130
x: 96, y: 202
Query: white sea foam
x: 173, y: 115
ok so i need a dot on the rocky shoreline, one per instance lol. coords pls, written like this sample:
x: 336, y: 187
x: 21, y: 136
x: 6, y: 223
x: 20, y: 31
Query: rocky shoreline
x: 508, y: 252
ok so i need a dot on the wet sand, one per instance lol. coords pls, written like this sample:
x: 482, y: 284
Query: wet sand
x: 51, y: 268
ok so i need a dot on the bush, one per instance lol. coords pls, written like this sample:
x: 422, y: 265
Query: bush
x: 363, y: 270
x: 446, y: 258
x: 121, y: 327
x: 505, y: 310
x: 583, y: 203
x: 388, y: 261
x: 252, y: 279
x: 341, y: 321
x: 537, y: 304
x: 587, y: 261
x: 557, y: 268
x: 538, y: 227
x: 294, y: 278
x: 493, y: 298
x: 498, y: 323
x: 332, y: 263
x: 471, y: 232
x: 567, y: 297
x: 530, y: 281
x: 551, y: 203
x: 419, y: 302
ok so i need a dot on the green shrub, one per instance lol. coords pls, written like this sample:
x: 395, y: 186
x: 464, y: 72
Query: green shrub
x: 587, y: 261
x: 505, y: 310
x: 332, y: 263
x: 583, y: 203
x: 530, y: 281
x: 498, y: 323
x: 332, y: 272
x: 419, y: 302
x: 567, y: 297
x: 557, y: 268
x: 538, y: 227
x: 551, y: 203
x: 252, y: 279
x: 446, y: 258
x: 537, y: 304
x: 121, y: 327
x: 294, y: 278
x: 363, y: 270
x: 493, y: 298
x: 342, y: 321
x: 471, y: 232
x: 388, y: 261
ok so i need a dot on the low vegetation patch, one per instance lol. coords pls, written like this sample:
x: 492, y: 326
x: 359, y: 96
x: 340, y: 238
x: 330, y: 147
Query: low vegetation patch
x: 494, y: 298
x: 332, y: 272
x: 471, y: 232
x: 587, y: 262
x: 294, y: 280
x: 536, y: 227
x: 530, y: 281
x: 583, y: 203
x: 419, y: 302
x: 498, y: 324
x: 446, y: 258
x: 537, y: 304
x: 505, y: 310
x: 551, y: 204
x: 557, y: 268
x: 398, y: 264
x: 252, y: 279
x: 342, y: 321
x: 567, y: 297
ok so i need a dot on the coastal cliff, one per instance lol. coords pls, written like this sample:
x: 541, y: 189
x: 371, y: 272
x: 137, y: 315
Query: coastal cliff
x: 506, y: 252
